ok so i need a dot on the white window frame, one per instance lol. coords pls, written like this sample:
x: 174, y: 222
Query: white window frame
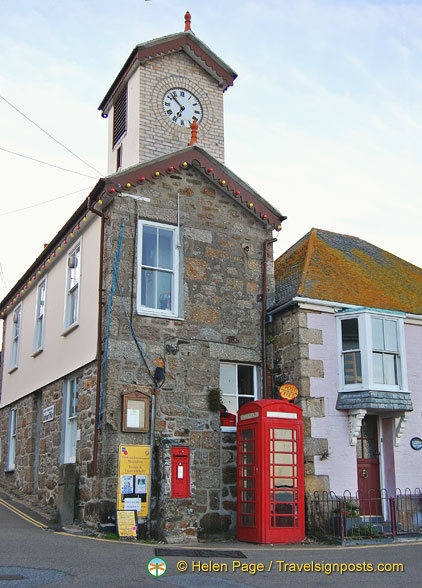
x: 38, y: 344
x: 235, y: 393
x: 173, y: 312
x: 366, y: 351
x: 73, y: 290
x: 70, y: 406
x: 11, y: 445
x: 16, y: 337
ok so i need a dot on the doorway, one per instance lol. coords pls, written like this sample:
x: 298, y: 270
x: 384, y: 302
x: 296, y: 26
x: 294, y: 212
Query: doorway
x: 369, y: 468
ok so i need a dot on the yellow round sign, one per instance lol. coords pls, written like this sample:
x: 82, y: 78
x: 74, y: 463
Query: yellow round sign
x: 288, y: 391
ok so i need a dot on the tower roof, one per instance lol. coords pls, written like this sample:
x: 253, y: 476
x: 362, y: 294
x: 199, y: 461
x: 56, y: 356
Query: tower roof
x: 340, y: 268
x: 187, y: 42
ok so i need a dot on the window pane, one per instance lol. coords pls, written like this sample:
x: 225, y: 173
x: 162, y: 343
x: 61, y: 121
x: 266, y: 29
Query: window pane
x: 227, y: 378
x: 378, y: 368
x: 352, y: 368
x: 390, y: 373
x: 350, y: 334
x: 377, y: 333
x: 148, y: 288
x: 165, y: 249
x: 390, y: 335
x: 163, y: 290
x: 245, y: 380
x: 149, y: 246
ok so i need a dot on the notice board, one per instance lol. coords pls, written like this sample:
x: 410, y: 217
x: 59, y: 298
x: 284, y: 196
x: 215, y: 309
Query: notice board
x: 134, y: 484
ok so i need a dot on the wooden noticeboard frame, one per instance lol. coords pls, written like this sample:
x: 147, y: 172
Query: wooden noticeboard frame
x: 136, y: 412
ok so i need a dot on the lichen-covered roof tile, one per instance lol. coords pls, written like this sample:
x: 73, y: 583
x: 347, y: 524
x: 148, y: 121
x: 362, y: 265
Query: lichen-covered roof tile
x: 346, y: 269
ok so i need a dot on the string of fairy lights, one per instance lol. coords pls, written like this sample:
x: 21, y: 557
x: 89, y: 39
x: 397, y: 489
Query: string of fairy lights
x: 111, y: 189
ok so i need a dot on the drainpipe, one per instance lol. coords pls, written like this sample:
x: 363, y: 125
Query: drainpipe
x: 99, y: 336
x: 264, y: 317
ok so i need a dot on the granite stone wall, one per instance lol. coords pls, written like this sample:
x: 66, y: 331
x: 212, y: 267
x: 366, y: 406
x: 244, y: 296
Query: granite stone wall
x: 219, y: 320
x: 292, y: 363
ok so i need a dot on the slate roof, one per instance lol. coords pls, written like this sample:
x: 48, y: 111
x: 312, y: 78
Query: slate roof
x: 340, y: 268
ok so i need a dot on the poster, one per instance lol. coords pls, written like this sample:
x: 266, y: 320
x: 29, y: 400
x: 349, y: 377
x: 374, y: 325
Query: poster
x: 134, y: 465
x: 126, y: 523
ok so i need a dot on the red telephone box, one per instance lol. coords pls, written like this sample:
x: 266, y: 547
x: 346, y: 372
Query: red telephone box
x: 270, y: 473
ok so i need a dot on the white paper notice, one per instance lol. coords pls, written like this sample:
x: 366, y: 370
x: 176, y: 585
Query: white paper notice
x: 132, y: 418
x: 132, y: 504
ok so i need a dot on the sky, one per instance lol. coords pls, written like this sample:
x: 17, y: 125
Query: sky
x: 324, y: 120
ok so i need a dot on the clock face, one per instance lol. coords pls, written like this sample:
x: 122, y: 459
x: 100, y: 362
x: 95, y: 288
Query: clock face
x: 182, y: 107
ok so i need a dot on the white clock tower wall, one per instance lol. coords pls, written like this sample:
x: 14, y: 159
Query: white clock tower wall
x: 129, y: 142
x: 150, y: 132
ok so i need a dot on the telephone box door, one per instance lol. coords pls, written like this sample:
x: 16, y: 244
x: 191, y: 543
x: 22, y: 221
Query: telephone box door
x: 247, y: 483
x: 284, y: 485
x: 270, y: 472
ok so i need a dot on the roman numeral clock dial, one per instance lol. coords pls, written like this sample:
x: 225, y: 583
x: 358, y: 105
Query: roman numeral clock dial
x: 182, y: 107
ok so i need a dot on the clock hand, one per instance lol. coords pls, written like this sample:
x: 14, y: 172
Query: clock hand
x: 174, y: 98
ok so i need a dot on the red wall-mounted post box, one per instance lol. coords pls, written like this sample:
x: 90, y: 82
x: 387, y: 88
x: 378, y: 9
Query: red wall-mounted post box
x: 180, y: 477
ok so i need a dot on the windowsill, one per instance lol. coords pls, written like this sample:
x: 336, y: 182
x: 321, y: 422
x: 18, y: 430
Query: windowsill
x: 228, y: 429
x: 37, y: 352
x: 391, y: 389
x: 158, y: 314
x: 13, y: 369
x: 69, y: 329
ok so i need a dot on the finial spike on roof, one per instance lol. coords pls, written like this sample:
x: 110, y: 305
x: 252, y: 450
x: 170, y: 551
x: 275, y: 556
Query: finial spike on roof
x: 194, y: 135
x: 187, y: 21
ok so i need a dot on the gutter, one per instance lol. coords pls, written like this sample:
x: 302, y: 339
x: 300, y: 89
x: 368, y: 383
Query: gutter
x: 99, y: 335
x: 264, y: 317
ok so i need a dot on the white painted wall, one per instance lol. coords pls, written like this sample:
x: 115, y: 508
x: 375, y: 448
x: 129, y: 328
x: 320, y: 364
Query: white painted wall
x: 130, y: 140
x: 62, y: 354
x: 341, y: 463
x: 408, y: 461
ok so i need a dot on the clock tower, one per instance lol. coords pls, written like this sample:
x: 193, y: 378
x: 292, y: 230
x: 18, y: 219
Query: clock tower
x: 163, y: 87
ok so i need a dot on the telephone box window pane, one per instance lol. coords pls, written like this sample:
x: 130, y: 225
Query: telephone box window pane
x: 286, y: 446
x: 248, y: 521
x: 282, y: 433
x: 284, y: 521
x: 247, y: 471
x: 247, y: 434
x: 248, y: 458
x: 248, y: 483
x: 248, y: 507
x: 248, y: 446
x: 248, y: 495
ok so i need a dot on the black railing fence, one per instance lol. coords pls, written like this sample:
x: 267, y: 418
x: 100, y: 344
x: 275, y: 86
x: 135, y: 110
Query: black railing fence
x: 376, y: 514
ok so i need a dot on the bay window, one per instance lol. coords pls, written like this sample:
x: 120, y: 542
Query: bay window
x: 372, y: 353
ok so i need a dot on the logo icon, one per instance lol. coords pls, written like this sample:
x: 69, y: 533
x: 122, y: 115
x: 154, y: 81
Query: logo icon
x: 157, y: 567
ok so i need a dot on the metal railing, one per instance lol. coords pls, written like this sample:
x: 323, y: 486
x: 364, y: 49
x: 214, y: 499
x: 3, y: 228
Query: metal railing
x: 376, y: 514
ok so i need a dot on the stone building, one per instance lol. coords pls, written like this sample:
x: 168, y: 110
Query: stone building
x: 152, y: 296
x: 347, y: 328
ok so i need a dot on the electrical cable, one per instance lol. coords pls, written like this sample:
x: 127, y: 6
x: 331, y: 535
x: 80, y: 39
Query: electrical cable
x: 45, y: 201
x: 141, y: 350
x: 116, y: 267
x: 48, y: 135
x: 46, y: 163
